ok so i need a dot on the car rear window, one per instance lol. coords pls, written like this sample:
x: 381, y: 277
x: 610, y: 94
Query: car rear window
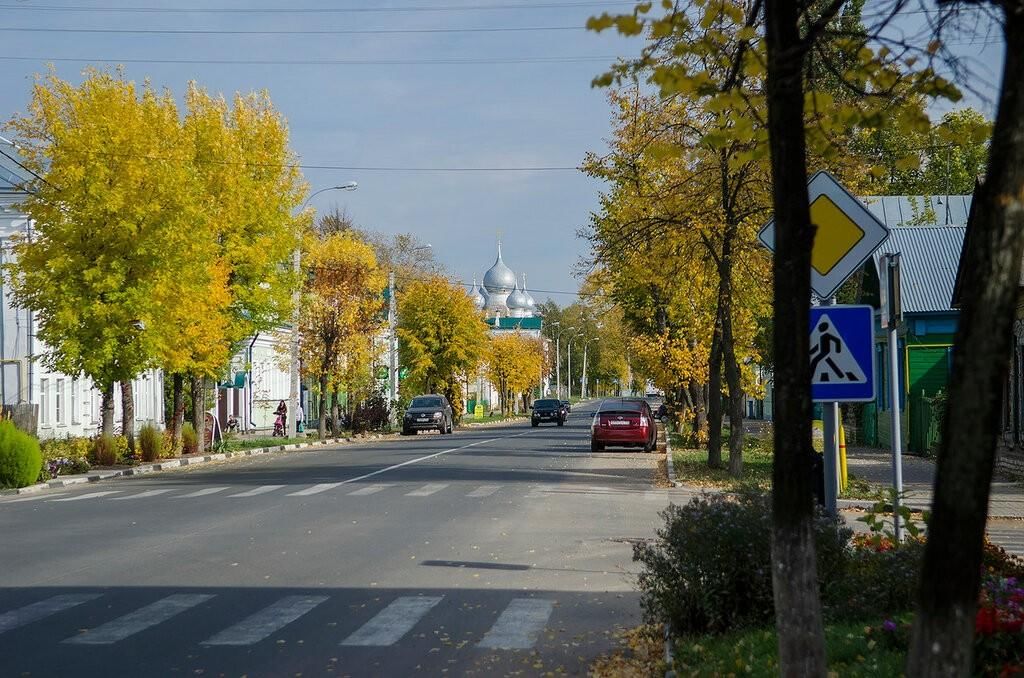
x: 426, y: 402
x: 623, y: 407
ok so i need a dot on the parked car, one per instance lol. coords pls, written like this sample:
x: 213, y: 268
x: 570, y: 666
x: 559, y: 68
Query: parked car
x: 428, y: 413
x: 547, y: 411
x: 567, y: 405
x: 623, y: 422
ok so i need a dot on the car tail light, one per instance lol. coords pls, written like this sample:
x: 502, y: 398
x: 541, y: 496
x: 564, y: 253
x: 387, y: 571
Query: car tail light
x: 644, y: 421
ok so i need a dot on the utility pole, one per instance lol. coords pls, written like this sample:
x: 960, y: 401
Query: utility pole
x: 293, y: 392
x: 583, y: 386
x: 392, y: 350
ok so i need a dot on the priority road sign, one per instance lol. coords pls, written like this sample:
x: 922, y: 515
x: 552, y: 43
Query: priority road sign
x: 847, y: 233
x: 842, y: 354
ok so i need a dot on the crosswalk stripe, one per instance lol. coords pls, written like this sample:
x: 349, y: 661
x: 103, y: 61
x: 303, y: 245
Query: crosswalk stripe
x: 262, y: 489
x: 202, y: 493
x: 519, y: 625
x: 427, y: 490
x: 484, y: 491
x: 369, y: 489
x: 42, y: 609
x: 314, y: 489
x: 140, y: 620
x: 89, y: 495
x: 393, y: 622
x: 142, y: 495
x: 258, y: 626
x: 36, y: 497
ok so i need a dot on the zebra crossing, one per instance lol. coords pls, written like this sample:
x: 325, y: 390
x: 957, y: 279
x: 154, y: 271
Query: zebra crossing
x: 517, y: 627
x: 533, y: 491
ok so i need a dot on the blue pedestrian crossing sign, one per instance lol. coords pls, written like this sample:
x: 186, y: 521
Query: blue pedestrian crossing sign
x: 842, y: 354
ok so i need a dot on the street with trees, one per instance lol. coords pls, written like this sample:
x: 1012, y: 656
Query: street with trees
x: 515, y: 365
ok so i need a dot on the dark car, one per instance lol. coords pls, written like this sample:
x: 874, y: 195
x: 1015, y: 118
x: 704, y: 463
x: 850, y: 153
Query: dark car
x: 567, y: 406
x: 547, y: 411
x: 624, y: 422
x: 428, y: 413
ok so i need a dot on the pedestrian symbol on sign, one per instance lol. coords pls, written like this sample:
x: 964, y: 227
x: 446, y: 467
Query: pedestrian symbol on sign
x: 831, y: 359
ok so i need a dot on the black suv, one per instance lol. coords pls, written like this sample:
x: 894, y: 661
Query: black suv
x: 428, y: 412
x: 547, y: 410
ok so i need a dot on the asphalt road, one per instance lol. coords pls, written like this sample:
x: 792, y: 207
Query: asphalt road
x: 494, y: 551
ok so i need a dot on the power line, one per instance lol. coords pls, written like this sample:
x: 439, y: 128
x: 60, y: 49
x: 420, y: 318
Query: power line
x: 369, y: 31
x: 311, y: 10
x: 327, y: 62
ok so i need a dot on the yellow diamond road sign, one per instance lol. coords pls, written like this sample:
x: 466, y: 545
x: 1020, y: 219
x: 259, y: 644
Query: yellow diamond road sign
x: 847, y: 233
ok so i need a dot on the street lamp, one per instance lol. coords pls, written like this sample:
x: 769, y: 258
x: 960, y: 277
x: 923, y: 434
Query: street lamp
x: 293, y: 393
x: 583, y: 386
x: 568, y: 366
x: 558, y: 358
x: 393, y: 342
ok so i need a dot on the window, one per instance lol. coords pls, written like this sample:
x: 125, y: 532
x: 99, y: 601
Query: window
x: 74, y: 401
x: 58, y: 411
x: 44, y: 402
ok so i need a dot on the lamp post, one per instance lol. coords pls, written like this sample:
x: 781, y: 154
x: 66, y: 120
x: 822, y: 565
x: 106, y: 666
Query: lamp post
x: 558, y: 359
x: 568, y: 366
x: 293, y: 394
x: 583, y: 386
x: 393, y: 343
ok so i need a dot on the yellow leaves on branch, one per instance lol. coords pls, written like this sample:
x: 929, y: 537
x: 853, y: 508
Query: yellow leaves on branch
x: 514, y: 362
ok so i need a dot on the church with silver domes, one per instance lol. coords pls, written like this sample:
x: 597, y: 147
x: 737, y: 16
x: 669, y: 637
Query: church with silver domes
x: 505, y: 301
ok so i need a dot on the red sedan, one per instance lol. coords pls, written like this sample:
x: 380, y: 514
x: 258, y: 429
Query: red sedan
x: 623, y: 422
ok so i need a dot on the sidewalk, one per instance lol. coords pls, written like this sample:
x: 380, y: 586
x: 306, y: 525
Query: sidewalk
x: 875, y: 466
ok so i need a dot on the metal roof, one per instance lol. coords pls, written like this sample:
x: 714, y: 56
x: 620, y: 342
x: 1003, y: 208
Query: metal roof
x: 919, y: 210
x: 929, y: 257
x: 13, y: 177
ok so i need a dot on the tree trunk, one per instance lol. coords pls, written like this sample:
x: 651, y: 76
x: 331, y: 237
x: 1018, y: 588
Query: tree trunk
x: 178, y: 418
x: 336, y: 412
x: 734, y: 380
x: 108, y: 410
x: 798, y: 619
x: 128, y: 414
x: 700, y: 412
x: 199, y: 413
x: 715, y: 392
x: 323, y: 406
x: 943, y: 633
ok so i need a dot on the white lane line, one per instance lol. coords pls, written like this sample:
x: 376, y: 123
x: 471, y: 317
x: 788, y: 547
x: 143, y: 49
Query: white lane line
x: 37, y: 497
x: 427, y: 490
x: 202, y: 493
x: 262, y: 489
x: 369, y: 489
x: 42, y: 609
x: 484, y: 491
x: 393, y: 622
x: 89, y: 495
x: 258, y: 626
x: 140, y: 620
x: 519, y: 625
x: 656, y: 495
x: 142, y: 495
x: 314, y: 489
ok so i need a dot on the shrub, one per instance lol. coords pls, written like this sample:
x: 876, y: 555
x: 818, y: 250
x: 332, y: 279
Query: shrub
x: 371, y: 414
x: 65, y: 456
x: 104, y: 450
x: 20, y: 458
x: 151, y: 443
x: 171, y: 449
x: 875, y: 579
x: 189, y: 439
x: 709, y: 568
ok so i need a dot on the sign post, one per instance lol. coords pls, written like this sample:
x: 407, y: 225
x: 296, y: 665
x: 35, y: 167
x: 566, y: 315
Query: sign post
x: 842, y: 338
x: 889, y: 278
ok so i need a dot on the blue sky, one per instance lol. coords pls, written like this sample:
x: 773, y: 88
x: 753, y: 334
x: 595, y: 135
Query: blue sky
x: 395, y: 115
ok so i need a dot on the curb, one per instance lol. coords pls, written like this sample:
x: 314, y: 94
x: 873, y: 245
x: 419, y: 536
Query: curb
x: 669, y: 465
x: 156, y: 467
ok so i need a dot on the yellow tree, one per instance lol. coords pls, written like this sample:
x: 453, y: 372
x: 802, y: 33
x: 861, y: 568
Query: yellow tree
x: 114, y: 212
x: 442, y: 336
x: 514, y: 365
x: 340, y: 311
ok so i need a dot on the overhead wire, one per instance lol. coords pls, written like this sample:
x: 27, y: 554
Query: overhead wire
x: 316, y: 10
x: 316, y: 31
x: 324, y: 62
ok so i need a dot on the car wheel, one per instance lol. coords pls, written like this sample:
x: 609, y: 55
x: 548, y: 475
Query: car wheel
x: 561, y: 423
x: 406, y: 432
x: 451, y: 426
x: 534, y: 424
x: 596, y: 446
x: 648, y: 447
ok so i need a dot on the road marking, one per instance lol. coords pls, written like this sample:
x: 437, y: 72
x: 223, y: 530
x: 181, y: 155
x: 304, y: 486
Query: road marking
x: 262, y: 489
x: 140, y: 620
x: 314, y: 489
x: 37, y: 497
x: 484, y: 491
x: 42, y: 609
x: 202, y: 493
x: 369, y: 489
x: 656, y: 495
x: 519, y: 625
x: 256, y: 627
x: 142, y: 495
x: 393, y: 622
x: 90, y: 495
x: 427, y: 490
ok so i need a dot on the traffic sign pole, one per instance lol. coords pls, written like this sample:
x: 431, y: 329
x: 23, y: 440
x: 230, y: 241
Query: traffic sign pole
x: 889, y: 266
x: 830, y: 429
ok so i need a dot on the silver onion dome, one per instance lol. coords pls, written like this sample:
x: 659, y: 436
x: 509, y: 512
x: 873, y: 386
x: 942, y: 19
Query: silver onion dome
x: 517, y: 303
x: 478, y: 299
x: 531, y: 303
x: 499, y: 279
